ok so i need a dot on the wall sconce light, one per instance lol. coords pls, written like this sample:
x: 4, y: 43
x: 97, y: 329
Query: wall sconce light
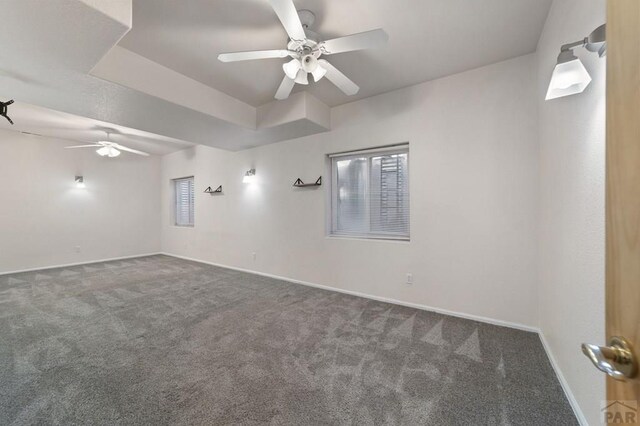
x: 249, y: 176
x: 80, y: 182
x: 569, y: 75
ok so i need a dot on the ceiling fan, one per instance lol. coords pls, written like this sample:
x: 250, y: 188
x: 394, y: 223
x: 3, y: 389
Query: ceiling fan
x: 305, y: 48
x: 109, y: 149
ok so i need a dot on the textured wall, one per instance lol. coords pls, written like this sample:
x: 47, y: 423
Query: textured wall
x: 572, y: 141
x: 44, y: 217
x: 473, y: 173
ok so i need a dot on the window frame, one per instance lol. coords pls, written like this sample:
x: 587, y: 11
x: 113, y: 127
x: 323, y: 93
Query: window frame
x: 369, y: 153
x: 174, y: 183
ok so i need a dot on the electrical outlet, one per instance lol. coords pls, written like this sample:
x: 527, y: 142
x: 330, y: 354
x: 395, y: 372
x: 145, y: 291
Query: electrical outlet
x: 77, y: 249
x: 253, y: 255
x: 409, y: 279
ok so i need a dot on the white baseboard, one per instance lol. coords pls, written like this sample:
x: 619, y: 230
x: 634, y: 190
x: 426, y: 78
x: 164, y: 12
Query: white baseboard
x: 563, y: 382
x: 472, y: 317
x: 66, y: 265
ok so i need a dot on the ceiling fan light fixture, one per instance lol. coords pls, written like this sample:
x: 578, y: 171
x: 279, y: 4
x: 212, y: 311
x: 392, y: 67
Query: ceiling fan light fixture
x: 309, y: 63
x: 302, y: 78
x: 318, y: 73
x: 108, y: 151
x: 291, y: 68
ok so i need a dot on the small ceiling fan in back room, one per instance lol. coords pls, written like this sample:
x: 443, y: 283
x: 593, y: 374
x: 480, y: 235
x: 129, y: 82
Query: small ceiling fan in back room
x: 109, y: 149
x: 305, y: 47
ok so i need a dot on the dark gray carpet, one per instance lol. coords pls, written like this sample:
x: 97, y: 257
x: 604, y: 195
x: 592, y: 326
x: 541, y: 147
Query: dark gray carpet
x: 158, y: 340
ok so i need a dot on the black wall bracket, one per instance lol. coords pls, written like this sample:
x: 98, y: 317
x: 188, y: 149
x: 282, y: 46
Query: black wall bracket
x: 300, y: 184
x: 218, y: 190
x: 3, y: 110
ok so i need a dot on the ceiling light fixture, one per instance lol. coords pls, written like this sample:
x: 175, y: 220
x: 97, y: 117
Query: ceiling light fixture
x: 318, y: 73
x: 569, y: 75
x: 108, y: 151
x: 249, y: 176
x: 302, y: 77
x: 311, y: 65
x: 291, y: 68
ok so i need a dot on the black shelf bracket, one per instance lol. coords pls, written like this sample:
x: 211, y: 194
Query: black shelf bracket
x: 218, y: 190
x: 3, y: 109
x: 300, y: 184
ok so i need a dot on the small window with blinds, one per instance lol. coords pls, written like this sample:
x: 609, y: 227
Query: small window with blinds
x: 184, y: 201
x: 370, y: 193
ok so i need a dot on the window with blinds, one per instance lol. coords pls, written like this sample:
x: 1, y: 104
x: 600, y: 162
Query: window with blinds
x: 370, y: 193
x: 184, y: 201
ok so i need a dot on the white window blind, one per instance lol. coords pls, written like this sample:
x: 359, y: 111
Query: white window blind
x: 184, y: 201
x: 370, y: 193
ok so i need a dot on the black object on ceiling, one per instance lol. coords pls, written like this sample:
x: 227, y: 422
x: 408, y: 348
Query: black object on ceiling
x: 3, y: 110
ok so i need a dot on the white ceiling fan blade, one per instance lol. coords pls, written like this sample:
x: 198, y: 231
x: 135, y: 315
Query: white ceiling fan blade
x: 288, y: 15
x: 82, y: 146
x: 365, y: 40
x: 134, y: 151
x: 285, y: 88
x: 254, y: 54
x: 340, y: 80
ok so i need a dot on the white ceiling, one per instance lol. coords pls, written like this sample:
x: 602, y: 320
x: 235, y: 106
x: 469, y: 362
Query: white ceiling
x: 78, y: 130
x: 427, y: 39
x: 51, y: 48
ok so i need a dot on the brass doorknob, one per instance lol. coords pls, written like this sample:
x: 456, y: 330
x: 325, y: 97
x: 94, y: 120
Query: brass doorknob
x: 617, y: 359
